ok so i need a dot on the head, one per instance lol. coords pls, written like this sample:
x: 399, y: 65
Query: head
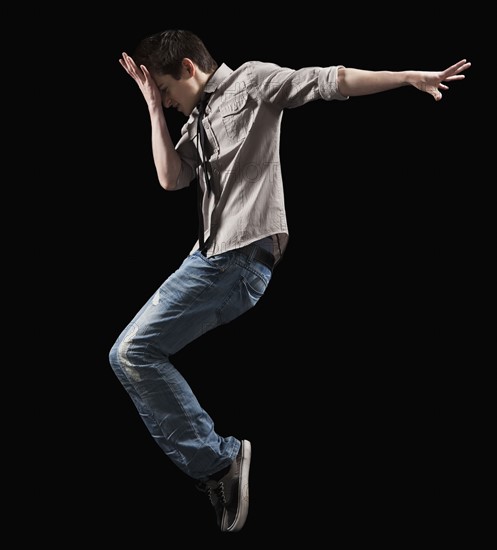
x: 180, y: 65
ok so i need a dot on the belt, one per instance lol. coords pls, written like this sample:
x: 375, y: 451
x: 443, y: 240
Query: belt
x: 258, y: 254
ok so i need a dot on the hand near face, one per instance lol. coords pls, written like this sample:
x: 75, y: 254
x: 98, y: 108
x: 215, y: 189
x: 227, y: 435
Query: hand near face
x: 143, y: 78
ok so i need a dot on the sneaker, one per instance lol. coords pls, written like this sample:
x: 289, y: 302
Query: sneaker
x: 230, y: 495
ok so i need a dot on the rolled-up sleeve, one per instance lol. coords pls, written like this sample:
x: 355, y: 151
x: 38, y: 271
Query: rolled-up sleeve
x: 289, y: 88
x: 328, y: 83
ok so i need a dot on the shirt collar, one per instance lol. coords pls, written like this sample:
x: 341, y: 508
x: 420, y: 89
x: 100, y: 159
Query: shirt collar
x: 221, y: 74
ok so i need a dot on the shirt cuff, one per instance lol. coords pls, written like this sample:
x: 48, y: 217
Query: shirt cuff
x: 328, y: 83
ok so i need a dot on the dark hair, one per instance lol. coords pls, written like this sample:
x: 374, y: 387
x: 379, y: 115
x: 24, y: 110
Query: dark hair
x: 163, y: 52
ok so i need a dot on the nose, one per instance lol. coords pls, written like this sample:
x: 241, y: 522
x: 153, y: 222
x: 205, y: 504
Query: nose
x: 166, y: 101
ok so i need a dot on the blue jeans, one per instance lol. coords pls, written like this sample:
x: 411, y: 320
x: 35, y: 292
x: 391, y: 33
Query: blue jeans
x: 202, y: 294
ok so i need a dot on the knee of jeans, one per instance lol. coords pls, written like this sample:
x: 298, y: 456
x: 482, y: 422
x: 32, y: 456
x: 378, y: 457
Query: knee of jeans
x: 118, y: 355
x: 123, y: 369
x: 113, y: 356
x: 121, y: 354
x: 124, y: 362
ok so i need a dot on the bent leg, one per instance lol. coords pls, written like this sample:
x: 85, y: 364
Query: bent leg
x: 200, y: 295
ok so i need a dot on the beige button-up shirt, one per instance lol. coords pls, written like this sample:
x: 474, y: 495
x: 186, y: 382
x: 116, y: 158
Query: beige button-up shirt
x: 242, y: 123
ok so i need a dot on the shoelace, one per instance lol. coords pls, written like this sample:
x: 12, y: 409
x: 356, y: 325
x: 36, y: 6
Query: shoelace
x: 215, y: 493
x: 219, y: 492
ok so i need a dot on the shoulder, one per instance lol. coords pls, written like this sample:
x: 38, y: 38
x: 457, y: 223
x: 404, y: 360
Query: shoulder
x: 258, y: 67
x: 254, y: 73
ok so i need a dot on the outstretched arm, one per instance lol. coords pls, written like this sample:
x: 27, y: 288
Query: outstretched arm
x: 356, y: 82
x: 166, y: 158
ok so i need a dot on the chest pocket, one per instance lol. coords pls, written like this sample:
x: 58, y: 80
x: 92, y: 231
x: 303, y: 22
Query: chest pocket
x: 237, y: 116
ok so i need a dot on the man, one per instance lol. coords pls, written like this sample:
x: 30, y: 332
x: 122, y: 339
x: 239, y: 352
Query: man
x: 230, y: 147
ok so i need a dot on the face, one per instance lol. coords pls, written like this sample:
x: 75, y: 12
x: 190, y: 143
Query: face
x: 183, y: 94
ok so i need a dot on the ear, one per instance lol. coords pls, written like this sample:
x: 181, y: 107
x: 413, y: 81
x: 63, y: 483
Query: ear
x: 188, y: 67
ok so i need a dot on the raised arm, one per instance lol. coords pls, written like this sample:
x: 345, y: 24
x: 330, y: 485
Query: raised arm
x: 166, y: 159
x: 356, y: 82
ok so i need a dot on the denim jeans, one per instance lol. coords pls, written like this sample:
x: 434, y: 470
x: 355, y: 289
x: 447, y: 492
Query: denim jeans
x: 202, y: 294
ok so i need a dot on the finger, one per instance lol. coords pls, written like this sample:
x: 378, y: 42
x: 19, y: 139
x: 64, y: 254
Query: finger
x: 133, y: 70
x: 123, y: 64
x: 457, y: 68
x: 129, y: 60
x: 466, y: 65
x: 145, y: 71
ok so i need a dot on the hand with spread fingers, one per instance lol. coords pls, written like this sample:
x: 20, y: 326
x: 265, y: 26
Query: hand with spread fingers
x: 433, y: 82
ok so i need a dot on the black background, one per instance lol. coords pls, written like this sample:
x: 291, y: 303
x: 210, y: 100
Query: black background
x: 339, y: 377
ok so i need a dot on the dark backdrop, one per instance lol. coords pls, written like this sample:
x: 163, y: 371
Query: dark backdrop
x: 338, y: 376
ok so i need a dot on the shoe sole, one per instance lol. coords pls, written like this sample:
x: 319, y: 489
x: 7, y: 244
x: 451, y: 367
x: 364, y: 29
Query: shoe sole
x: 243, y: 488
